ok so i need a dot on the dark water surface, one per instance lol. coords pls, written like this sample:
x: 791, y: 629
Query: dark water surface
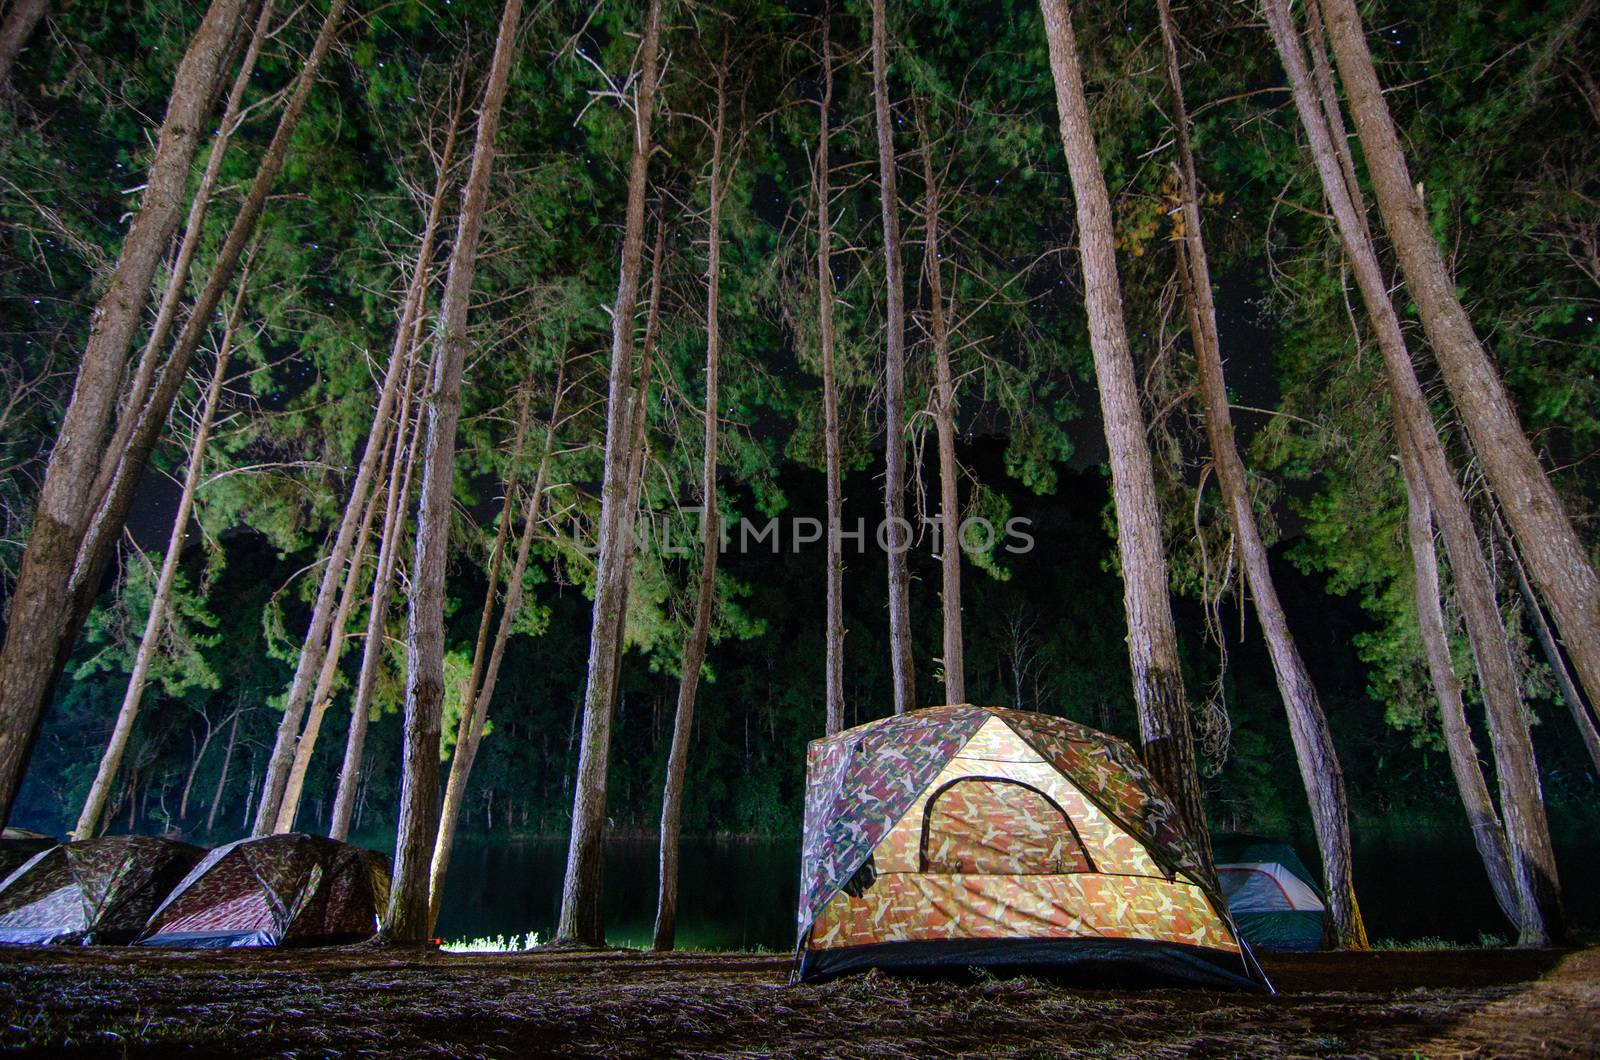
x: 741, y: 894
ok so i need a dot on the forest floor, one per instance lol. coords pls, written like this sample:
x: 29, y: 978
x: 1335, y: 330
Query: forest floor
x: 1442, y: 1003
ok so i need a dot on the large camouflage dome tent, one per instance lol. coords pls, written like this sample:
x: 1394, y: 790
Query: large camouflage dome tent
x: 961, y: 836
x: 1271, y: 894
x: 278, y: 890
x: 91, y: 891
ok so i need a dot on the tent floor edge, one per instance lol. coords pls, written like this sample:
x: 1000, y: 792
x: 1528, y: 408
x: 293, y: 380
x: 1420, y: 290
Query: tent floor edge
x: 1095, y: 962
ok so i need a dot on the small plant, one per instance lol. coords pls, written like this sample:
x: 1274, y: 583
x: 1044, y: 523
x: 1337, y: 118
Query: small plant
x: 495, y: 944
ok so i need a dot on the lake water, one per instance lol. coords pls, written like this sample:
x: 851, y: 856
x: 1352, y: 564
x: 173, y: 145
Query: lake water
x: 741, y: 894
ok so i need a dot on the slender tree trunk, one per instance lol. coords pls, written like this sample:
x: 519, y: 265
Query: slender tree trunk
x: 222, y: 777
x: 944, y: 418
x: 306, y: 745
x: 98, y: 545
x: 582, y: 919
x: 1522, y: 805
x: 834, y: 622
x: 37, y: 621
x: 138, y: 389
x: 399, y: 498
x: 637, y: 418
x: 1488, y: 834
x: 1552, y: 652
x: 1557, y: 561
x: 194, y: 768
x: 21, y: 18
x: 155, y: 622
x: 475, y: 710
x: 694, y: 646
x: 901, y: 660
x: 407, y: 922
x: 1167, y: 742
x: 1315, y: 753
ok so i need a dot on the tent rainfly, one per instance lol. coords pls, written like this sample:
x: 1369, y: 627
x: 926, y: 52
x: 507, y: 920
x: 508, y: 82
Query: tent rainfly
x: 277, y: 890
x: 958, y: 837
x: 1271, y: 894
x: 91, y: 891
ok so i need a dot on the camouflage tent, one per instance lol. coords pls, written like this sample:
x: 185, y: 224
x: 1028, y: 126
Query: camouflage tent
x: 1271, y: 894
x: 91, y: 891
x: 969, y: 836
x: 279, y: 890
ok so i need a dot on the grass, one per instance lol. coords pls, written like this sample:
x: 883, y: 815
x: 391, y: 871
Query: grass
x: 1486, y: 941
x: 494, y: 944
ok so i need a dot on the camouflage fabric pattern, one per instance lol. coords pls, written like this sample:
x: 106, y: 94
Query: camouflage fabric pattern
x: 1110, y: 773
x: 867, y: 777
x: 94, y: 890
x: 910, y: 907
x: 998, y: 827
x: 284, y: 888
x: 997, y: 751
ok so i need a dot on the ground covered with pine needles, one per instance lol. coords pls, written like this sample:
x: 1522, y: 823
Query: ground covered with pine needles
x: 110, y: 1002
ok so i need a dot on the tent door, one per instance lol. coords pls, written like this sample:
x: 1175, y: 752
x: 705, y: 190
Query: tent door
x: 995, y: 826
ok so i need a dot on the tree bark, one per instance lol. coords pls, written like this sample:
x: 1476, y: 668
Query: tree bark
x: 1556, y: 558
x: 582, y: 919
x: 944, y: 418
x: 138, y: 389
x: 100, y: 789
x: 222, y: 776
x: 902, y: 662
x: 1315, y: 753
x: 1527, y: 831
x: 21, y: 18
x: 694, y: 646
x: 475, y: 709
x: 409, y: 333
x: 1165, y: 736
x: 833, y: 679
x: 1488, y: 834
x: 305, y: 746
x: 37, y: 623
x: 407, y: 922
x: 1552, y: 652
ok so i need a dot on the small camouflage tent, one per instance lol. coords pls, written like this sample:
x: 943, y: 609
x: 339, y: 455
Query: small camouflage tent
x: 1272, y: 895
x: 91, y: 891
x: 961, y: 836
x: 278, y: 890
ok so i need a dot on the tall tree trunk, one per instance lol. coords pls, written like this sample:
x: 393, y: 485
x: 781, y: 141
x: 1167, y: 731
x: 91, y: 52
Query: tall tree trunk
x: 1552, y: 652
x: 194, y: 767
x: 944, y: 418
x: 100, y: 790
x: 21, y: 18
x: 177, y: 284
x: 902, y: 662
x: 98, y: 545
x: 1488, y: 834
x: 305, y: 746
x: 1522, y: 805
x: 222, y: 776
x: 833, y: 679
x: 1555, y: 555
x: 694, y: 646
x: 407, y: 922
x: 1167, y: 742
x: 37, y: 623
x: 582, y: 920
x: 409, y: 332
x: 475, y: 708
x: 1315, y: 752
